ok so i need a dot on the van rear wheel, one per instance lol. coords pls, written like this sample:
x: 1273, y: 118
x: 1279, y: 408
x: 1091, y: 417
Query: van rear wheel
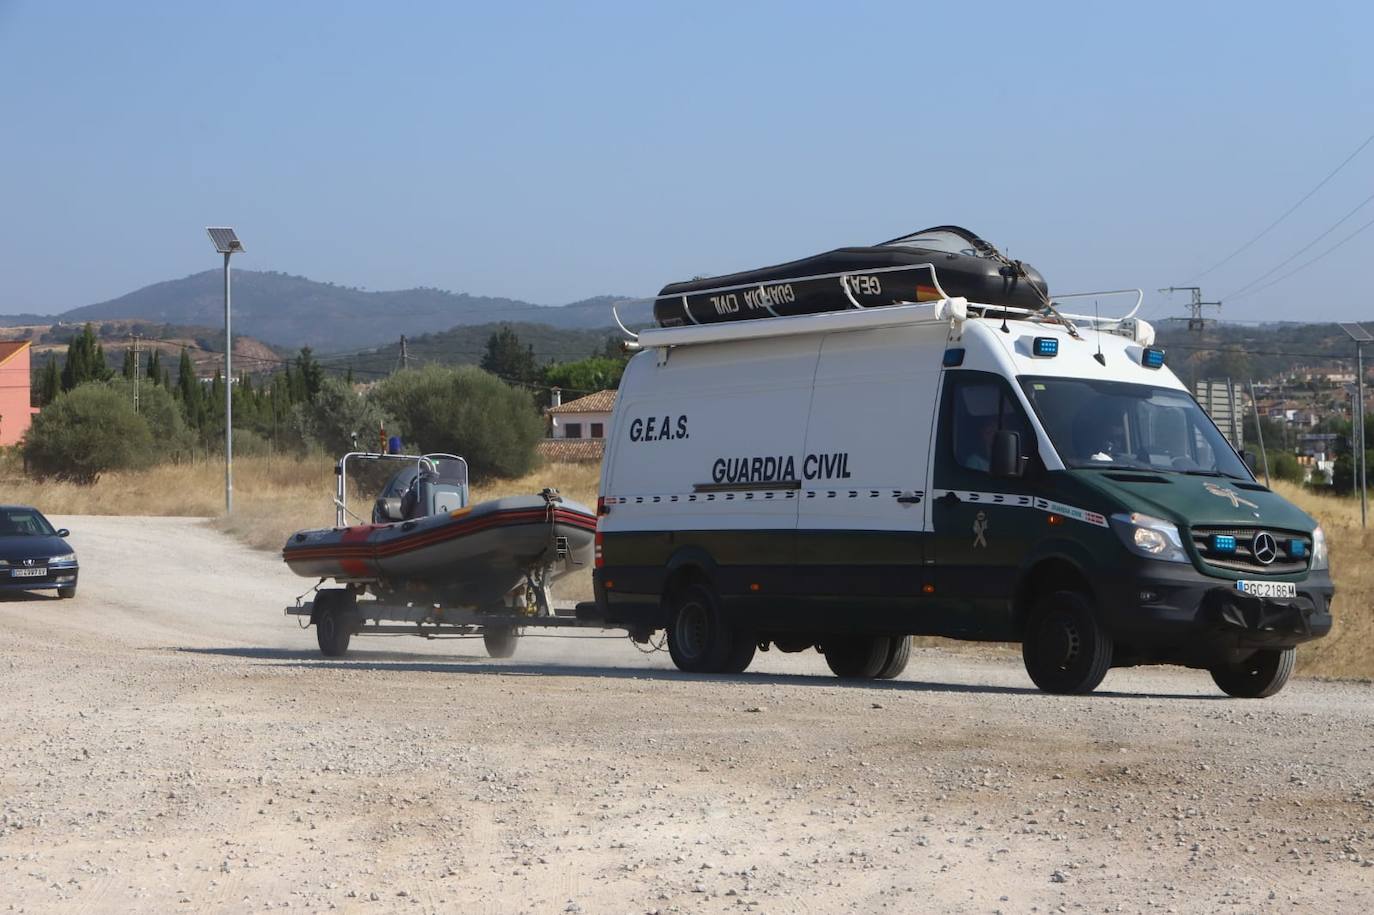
x: 699, y: 639
x: 858, y: 657
x: 1065, y: 648
x: 1258, y: 676
x: 897, y: 658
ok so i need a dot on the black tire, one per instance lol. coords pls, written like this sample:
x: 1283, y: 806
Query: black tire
x: 857, y: 657
x: 500, y: 641
x: 699, y: 639
x: 334, y: 620
x: 67, y: 593
x: 1258, y: 677
x: 897, y: 657
x: 741, y: 654
x: 1064, y: 647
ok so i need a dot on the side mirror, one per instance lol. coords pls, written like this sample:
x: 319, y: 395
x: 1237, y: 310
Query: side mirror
x: 1006, y: 459
x: 64, y: 533
x: 388, y: 510
x: 1250, y: 460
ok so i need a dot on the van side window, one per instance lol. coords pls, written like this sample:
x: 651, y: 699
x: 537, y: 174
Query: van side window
x: 981, y: 409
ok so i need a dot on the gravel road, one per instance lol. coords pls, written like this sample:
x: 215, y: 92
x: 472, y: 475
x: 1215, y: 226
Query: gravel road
x: 172, y: 742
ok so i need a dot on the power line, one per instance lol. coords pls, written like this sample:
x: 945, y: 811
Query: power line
x: 1288, y: 212
x: 1304, y: 266
x: 1303, y: 250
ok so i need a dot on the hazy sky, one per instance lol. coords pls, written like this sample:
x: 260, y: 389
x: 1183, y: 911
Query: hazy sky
x: 554, y: 152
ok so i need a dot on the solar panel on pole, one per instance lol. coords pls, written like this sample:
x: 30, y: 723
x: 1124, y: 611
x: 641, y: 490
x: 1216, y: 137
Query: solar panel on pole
x: 224, y: 239
x: 226, y: 242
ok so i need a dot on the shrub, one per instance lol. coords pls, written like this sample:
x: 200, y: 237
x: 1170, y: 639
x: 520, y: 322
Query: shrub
x: 337, y: 413
x: 84, y: 433
x: 467, y: 412
x: 172, y: 440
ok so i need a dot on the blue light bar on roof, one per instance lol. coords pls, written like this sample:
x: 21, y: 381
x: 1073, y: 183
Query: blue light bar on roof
x: 1045, y: 347
x: 1152, y: 358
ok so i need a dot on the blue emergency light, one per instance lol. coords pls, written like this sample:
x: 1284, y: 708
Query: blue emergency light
x: 1045, y: 347
x: 954, y: 357
x: 1223, y: 543
x: 1152, y: 358
x: 1297, y: 549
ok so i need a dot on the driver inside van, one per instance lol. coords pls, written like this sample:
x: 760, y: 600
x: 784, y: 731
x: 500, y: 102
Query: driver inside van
x: 979, y: 457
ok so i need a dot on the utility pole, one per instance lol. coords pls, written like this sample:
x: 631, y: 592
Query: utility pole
x: 1195, y: 319
x: 405, y: 354
x: 136, y: 371
x: 1361, y: 337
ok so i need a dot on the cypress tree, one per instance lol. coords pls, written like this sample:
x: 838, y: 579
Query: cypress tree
x: 50, y: 384
x: 130, y: 367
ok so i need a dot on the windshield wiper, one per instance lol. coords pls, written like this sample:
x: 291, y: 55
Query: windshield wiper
x: 1212, y: 473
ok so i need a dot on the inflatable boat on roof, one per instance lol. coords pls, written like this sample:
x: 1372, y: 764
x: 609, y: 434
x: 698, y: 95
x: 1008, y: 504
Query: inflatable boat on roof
x: 925, y: 266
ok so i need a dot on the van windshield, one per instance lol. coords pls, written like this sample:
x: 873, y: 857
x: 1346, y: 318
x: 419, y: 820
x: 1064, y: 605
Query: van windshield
x: 1109, y: 424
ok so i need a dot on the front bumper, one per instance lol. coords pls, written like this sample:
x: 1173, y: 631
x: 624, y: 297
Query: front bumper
x: 1172, y: 612
x: 57, y: 577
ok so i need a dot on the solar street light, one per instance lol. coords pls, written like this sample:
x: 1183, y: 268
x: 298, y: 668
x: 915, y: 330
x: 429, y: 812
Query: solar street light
x: 1361, y: 337
x: 226, y: 242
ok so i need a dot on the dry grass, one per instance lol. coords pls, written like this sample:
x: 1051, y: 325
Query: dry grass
x: 276, y: 496
x: 1349, y: 651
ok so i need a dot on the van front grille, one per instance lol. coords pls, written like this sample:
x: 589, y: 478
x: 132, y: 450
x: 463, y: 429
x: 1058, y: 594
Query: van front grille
x: 1293, y: 551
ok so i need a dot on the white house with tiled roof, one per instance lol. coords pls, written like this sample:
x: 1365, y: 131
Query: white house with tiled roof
x: 578, y: 428
x: 585, y: 417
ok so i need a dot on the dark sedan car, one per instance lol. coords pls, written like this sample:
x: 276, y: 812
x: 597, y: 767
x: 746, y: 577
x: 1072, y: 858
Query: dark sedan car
x: 33, y: 556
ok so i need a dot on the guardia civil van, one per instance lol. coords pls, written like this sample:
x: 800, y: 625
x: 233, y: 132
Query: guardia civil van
x: 922, y: 464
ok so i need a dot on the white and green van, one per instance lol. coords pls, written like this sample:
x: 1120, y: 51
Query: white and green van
x: 845, y: 480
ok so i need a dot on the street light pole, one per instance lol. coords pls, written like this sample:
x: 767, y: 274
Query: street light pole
x: 228, y: 399
x: 1359, y: 400
x: 227, y: 243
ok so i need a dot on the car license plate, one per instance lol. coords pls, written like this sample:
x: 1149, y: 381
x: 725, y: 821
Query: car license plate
x: 30, y: 573
x: 1268, y: 588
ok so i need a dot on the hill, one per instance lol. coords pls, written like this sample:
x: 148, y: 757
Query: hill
x: 294, y: 311
x: 466, y: 345
x: 204, y: 344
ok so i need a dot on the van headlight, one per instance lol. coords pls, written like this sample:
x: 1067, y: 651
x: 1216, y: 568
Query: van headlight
x: 1150, y: 537
x: 1320, y: 559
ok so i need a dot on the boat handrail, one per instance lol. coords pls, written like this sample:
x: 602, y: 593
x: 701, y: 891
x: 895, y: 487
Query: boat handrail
x: 341, y: 476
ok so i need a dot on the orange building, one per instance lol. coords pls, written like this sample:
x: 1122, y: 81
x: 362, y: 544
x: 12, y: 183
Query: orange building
x: 15, y: 412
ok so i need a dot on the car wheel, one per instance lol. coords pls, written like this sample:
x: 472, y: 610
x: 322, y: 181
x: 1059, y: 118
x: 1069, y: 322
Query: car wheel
x: 67, y: 593
x: 857, y: 657
x: 1064, y: 647
x: 1259, y: 676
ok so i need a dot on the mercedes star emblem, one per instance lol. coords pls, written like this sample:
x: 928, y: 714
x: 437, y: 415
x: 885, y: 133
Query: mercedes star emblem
x: 1264, y: 548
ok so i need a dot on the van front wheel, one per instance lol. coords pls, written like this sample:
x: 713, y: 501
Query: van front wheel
x: 1064, y: 647
x: 1259, y: 676
x: 699, y: 640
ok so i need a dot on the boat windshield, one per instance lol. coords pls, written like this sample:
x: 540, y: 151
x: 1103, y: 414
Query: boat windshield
x: 949, y: 239
x: 1109, y: 424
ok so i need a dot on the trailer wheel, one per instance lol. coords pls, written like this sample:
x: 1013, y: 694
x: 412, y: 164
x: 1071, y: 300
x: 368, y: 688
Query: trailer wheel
x: 334, y: 620
x: 500, y: 641
x: 857, y: 657
x: 1258, y: 677
x: 897, y: 658
x: 699, y: 640
x: 1065, y: 648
